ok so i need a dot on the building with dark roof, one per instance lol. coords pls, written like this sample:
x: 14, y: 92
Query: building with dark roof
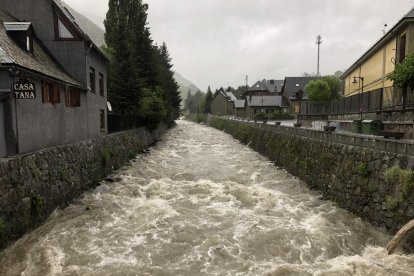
x: 52, y: 78
x: 223, y: 103
x: 294, y: 91
x: 379, y: 61
x: 263, y: 104
x: 266, y: 87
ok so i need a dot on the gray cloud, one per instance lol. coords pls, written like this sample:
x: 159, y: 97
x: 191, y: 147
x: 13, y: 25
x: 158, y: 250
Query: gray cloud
x: 216, y: 42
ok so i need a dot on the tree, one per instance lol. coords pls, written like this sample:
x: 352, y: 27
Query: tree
x: 318, y: 91
x: 403, y: 75
x: 209, y: 100
x: 140, y: 72
x: 335, y: 86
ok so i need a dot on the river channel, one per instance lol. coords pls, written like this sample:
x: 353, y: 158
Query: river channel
x: 201, y: 203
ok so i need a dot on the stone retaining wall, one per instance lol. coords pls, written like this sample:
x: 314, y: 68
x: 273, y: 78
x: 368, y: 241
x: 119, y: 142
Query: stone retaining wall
x: 347, y: 170
x: 33, y: 185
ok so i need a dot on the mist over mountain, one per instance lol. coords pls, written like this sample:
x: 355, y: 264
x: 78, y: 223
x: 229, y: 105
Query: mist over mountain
x: 185, y: 86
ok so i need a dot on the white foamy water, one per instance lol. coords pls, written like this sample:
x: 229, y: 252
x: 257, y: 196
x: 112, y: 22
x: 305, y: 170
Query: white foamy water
x: 201, y: 203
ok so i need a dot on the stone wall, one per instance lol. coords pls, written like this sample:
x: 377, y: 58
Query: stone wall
x: 348, y: 170
x: 33, y: 185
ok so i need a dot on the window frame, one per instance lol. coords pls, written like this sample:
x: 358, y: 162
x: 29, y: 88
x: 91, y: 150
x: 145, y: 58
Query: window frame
x: 92, y: 79
x: 59, y: 15
x: 101, y: 84
x: 72, y: 98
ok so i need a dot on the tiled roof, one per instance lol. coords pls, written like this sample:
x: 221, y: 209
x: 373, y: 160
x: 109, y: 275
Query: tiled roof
x: 295, y: 84
x: 40, y: 61
x: 239, y: 103
x: 264, y: 101
x: 231, y: 96
x: 258, y: 86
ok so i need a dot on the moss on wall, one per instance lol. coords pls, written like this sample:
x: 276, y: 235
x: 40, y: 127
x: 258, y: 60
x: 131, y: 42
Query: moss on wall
x: 359, y: 179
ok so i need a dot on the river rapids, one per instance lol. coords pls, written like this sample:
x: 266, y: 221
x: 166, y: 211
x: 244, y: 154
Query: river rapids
x: 201, y: 203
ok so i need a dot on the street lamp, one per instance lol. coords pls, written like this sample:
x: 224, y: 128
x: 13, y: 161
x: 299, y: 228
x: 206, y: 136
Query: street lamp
x: 362, y: 94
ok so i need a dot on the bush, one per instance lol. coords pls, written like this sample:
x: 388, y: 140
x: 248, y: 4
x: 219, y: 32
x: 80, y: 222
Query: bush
x: 403, y: 75
x: 260, y: 116
x: 403, y: 178
x: 318, y: 91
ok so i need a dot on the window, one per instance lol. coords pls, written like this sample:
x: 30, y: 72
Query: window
x: 101, y: 85
x: 46, y: 92
x: 403, y: 43
x: 63, y: 31
x: 92, y: 79
x: 55, y: 94
x: 50, y: 93
x: 269, y: 111
x: 72, y: 98
x: 102, y: 117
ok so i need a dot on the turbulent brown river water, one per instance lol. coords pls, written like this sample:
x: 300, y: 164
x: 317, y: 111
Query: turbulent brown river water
x: 201, y: 203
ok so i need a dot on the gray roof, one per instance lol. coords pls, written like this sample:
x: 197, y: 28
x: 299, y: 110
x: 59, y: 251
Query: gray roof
x: 40, y: 61
x: 17, y: 26
x: 264, y: 101
x: 231, y: 96
x: 258, y: 86
x: 239, y: 103
x: 93, y: 31
x: 272, y: 86
x: 296, y: 84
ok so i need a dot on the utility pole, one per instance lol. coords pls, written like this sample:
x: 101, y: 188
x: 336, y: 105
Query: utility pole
x: 247, y: 82
x: 319, y: 42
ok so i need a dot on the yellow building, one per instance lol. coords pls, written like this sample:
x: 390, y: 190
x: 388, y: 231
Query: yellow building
x: 379, y: 61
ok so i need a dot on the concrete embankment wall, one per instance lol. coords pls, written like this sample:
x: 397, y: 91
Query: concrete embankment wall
x: 33, y: 185
x: 346, y: 169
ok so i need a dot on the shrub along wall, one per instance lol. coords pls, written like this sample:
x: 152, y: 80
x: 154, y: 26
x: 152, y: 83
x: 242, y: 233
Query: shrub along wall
x: 373, y: 184
x: 33, y: 185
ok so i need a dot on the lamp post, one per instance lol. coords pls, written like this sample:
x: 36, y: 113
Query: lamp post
x: 361, y: 101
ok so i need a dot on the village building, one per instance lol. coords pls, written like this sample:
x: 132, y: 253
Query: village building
x: 294, y: 91
x: 52, y: 78
x: 369, y: 73
x: 263, y: 104
x: 223, y: 103
x: 240, y: 108
x: 266, y: 88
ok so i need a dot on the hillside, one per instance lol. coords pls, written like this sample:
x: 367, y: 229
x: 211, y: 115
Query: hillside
x: 185, y: 86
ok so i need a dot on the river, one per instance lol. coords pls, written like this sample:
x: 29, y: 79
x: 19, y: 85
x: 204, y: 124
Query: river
x: 201, y: 203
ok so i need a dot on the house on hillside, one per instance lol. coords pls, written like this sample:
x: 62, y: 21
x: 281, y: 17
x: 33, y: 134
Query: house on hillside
x: 223, y: 103
x: 294, y: 91
x: 52, y: 79
x: 263, y: 104
x: 369, y: 73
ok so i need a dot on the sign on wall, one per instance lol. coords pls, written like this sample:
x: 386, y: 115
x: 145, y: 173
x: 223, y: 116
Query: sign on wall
x: 24, y: 89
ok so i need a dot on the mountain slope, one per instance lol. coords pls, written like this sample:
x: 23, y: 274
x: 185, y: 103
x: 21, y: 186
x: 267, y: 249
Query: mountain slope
x: 185, y: 86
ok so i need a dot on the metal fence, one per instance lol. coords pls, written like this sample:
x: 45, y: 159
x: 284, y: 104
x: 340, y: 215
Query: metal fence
x: 387, y: 99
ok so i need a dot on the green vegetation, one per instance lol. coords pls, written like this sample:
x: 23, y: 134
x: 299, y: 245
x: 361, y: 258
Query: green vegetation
x: 403, y: 75
x: 401, y: 178
x: 140, y: 74
x: 322, y: 90
x: 363, y: 170
x: 392, y: 202
x: 260, y: 116
x: 197, y: 118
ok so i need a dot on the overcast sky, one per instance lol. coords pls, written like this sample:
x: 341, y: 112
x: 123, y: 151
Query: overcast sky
x: 219, y: 42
